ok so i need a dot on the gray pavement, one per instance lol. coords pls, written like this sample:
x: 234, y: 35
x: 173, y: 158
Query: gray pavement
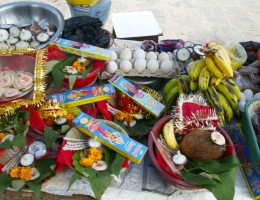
x: 195, y: 20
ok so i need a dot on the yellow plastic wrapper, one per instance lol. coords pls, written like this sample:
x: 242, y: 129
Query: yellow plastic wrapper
x: 237, y: 54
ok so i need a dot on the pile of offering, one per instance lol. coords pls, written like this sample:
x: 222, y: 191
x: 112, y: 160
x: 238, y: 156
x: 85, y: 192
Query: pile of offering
x: 25, y: 35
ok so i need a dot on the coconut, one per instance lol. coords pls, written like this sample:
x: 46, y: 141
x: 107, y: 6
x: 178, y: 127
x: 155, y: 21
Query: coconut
x: 198, y: 145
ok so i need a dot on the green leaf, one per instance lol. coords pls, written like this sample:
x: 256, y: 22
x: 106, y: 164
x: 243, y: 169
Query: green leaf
x: 6, y: 145
x: 36, y: 188
x: 226, y: 189
x: 18, y: 184
x: 5, y: 182
x: 109, y: 155
x: 57, y: 75
x: 57, y: 71
x: 46, y: 169
x: 72, y: 80
x: 20, y: 127
x: 50, y: 136
x: 50, y: 64
x: 217, y: 166
x: 210, y: 176
x: 19, y: 140
x: 218, y: 176
x: 65, y: 128
x: 196, y: 179
x: 86, y: 72
x: 74, y: 178
x: 100, y: 183
x: 116, y: 166
x: 87, y: 172
x: 141, y: 127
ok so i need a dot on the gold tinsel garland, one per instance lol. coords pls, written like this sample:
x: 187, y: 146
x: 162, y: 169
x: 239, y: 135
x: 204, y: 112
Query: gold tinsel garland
x: 39, y: 81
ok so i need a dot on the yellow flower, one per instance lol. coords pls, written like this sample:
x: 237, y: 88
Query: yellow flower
x: 15, y: 172
x: 129, y: 118
x: 86, y: 162
x: 120, y: 116
x: 26, y: 173
x: 95, y: 154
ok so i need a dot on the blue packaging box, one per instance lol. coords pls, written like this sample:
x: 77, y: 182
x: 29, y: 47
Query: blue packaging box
x: 110, y: 137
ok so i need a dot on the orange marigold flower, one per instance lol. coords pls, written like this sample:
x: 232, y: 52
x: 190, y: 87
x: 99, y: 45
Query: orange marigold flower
x: 120, y: 116
x: 2, y: 135
x: 26, y: 173
x: 70, y: 118
x: 15, y: 172
x: 76, y: 63
x: 87, y: 162
x: 80, y: 69
x: 95, y: 154
x: 129, y: 118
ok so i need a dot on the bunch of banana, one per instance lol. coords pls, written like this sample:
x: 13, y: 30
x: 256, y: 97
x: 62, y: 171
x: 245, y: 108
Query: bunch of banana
x: 218, y: 60
x: 224, y: 98
x: 173, y: 88
x: 200, y: 75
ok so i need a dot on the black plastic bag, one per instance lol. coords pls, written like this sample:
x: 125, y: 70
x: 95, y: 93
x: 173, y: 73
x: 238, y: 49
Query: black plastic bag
x: 85, y: 29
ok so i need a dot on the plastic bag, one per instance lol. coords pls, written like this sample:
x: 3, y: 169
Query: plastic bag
x: 237, y: 54
x: 85, y: 29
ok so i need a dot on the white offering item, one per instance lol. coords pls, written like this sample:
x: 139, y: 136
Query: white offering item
x: 151, y: 56
x: 113, y: 56
x: 126, y: 54
x: 139, y: 53
x: 218, y: 138
x: 163, y: 56
x: 111, y: 67
x: 93, y: 143
x: 166, y: 66
x: 100, y: 165
x: 125, y: 66
x: 27, y: 159
x: 179, y: 159
x: 140, y: 65
x: 153, y: 66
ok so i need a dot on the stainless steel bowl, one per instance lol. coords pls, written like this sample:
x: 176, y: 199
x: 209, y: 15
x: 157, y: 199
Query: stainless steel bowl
x: 25, y: 12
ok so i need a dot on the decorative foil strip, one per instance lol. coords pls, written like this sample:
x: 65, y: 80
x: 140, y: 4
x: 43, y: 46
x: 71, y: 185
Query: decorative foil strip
x: 39, y: 81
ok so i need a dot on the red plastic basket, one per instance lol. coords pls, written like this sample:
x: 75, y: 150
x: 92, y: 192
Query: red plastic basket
x: 161, y: 165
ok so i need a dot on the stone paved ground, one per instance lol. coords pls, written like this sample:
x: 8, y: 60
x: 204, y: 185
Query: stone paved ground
x: 195, y: 20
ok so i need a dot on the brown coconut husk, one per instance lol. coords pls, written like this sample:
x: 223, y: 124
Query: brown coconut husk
x: 198, y: 145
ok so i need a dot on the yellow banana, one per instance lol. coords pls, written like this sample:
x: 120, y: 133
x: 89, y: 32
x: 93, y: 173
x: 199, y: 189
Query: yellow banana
x: 214, y: 81
x: 220, y: 49
x: 209, y: 100
x: 230, y: 95
x: 213, y: 67
x: 204, y: 78
x: 183, y: 87
x: 186, y: 78
x: 194, y: 85
x: 215, y: 99
x: 195, y: 71
x: 234, y: 86
x: 171, y: 97
x: 169, y: 135
x: 227, y: 108
x: 223, y: 64
x: 169, y: 85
